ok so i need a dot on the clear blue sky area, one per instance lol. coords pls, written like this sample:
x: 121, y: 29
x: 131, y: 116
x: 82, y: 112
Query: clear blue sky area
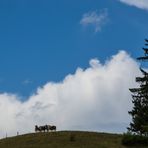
x: 43, y: 40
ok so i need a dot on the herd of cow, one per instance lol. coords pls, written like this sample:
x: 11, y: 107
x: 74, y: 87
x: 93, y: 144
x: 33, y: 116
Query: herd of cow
x: 45, y: 128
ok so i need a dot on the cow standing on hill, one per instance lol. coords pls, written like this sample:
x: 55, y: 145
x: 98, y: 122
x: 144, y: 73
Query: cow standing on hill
x: 50, y: 128
x: 40, y: 128
x: 53, y: 128
x: 37, y: 128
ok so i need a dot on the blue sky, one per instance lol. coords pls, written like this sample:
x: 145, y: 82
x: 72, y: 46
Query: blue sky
x: 69, y: 63
x: 43, y: 41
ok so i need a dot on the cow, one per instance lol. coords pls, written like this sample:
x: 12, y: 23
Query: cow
x: 50, y: 128
x: 53, y: 128
x: 43, y: 128
x: 40, y: 128
x: 37, y: 129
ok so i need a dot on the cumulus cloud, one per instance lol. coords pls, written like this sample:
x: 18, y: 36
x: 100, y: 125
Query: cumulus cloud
x: 95, y: 19
x: 142, y: 4
x: 95, y: 98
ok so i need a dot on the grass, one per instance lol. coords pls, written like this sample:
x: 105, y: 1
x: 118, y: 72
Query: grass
x: 64, y: 139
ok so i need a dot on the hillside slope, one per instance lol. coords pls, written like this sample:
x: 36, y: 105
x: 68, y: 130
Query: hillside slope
x: 63, y: 139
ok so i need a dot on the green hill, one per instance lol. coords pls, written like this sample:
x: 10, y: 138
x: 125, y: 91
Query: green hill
x: 63, y: 139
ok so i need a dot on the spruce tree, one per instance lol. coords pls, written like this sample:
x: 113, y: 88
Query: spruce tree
x: 139, y: 112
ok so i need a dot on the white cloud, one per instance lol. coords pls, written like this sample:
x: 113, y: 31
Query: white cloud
x: 142, y: 4
x: 96, y: 98
x: 95, y: 19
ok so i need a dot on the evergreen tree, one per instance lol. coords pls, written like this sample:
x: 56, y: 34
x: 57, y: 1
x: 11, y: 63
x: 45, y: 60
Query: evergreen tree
x: 139, y: 113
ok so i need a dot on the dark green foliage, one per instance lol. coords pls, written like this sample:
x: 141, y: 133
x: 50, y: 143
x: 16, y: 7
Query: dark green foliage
x: 139, y: 113
x: 134, y: 140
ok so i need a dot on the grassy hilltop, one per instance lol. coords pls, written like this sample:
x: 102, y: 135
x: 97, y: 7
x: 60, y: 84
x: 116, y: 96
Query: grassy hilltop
x: 63, y: 139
